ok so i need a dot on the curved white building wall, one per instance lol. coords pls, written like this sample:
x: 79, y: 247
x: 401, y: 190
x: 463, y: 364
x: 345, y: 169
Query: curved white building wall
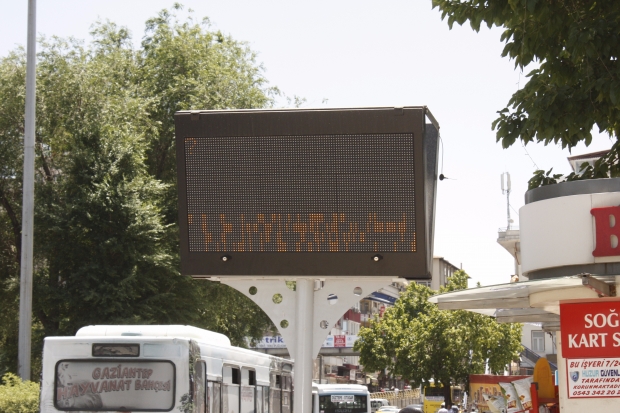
x: 560, y: 231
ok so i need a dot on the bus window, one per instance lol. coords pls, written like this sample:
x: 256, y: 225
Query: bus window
x: 457, y: 394
x: 248, y: 379
x: 236, y: 379
x: 231, y: 389
x: 230, y: 398
x: 200, y: 397
x: 214, y: 397
x: 259, y: 399
x: 116, y: 350
x: 343, y: 403
x: 266, y: 399
x: 433, y: 391
x: 275, y: 393
x: 433, y: 396
x: 287, y: 382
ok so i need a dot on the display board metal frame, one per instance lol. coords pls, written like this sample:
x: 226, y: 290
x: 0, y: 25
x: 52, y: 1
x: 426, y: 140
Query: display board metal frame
x: 268, y: 176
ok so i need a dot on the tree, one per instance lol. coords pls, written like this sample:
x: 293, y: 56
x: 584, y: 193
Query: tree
x: 106, y: 233
x: 425, y: 343
x: 99, y: 223
x: 184, y: 66
x: 12, y: 72
x: 576, y: 46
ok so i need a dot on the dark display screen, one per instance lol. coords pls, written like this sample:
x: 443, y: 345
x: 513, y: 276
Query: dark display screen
x: 315, y: 193
x: 291, y: 192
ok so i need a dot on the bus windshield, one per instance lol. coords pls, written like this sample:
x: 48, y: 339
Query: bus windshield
x: 457, y: 394
x: 343, y: 403
x: 433, y: 391
x: 127, y: 385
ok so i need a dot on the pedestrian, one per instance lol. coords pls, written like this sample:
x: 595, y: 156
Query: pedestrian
x: 455, y: 409
x: 443, y: 409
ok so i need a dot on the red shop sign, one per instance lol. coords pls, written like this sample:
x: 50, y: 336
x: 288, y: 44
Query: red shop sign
x: 590, y: 329
x: 340, y: 341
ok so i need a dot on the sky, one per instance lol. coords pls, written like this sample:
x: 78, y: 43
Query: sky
x: 345, y: 53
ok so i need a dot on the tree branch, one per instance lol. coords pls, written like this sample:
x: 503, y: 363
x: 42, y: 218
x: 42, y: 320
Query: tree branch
x: 48, y: 173
x: 17, y: 232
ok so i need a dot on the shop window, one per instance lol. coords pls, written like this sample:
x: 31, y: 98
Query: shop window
x: 538, y: 341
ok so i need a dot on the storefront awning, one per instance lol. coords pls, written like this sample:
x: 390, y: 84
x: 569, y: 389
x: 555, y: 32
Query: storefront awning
x: 381, y: 298
x: 534, y: 301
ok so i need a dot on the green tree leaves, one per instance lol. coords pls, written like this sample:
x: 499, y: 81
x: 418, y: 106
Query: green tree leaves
x: 419, y: 342
x: 184, y: 66
x: 576, y: 85
x: 106, y: 236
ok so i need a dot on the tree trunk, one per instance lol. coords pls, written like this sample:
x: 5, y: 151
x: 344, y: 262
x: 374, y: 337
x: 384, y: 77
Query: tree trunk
x: 447, y: 395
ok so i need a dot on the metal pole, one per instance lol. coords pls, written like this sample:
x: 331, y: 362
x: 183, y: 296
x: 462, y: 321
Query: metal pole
x: 25, y: 293
x: 508, y: 188
x: 303, y: 351
x: 508, y: 206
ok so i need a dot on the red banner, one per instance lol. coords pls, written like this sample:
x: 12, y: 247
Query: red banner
x: 340, y: 341
x: 590, y: 329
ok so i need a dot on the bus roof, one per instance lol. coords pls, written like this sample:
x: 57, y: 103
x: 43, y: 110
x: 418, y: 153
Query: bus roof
x: 178, y: 331
x: 339, y: 388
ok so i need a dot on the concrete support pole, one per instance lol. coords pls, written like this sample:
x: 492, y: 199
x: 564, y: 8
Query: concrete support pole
x: 25, y: 293
x: 304, y: 316
x: 303, y: 352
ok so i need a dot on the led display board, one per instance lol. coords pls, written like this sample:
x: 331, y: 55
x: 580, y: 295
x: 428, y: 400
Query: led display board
x: 307, y: 192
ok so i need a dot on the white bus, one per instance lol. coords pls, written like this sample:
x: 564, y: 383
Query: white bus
x: 179, y: 369
x: 340, y: 398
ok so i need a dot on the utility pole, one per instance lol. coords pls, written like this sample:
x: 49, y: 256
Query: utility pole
x: 25, y: 292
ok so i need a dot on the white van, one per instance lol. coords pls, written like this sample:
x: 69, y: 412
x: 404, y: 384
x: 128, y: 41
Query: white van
x: 337, y: 398
x: 375, y: 404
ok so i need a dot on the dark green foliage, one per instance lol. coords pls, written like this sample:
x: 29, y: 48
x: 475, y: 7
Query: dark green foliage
x: 231, y: 313
x: 183, y: 66
x: 106, y: 238
x: 542, y: 178
x: 12, y: 101
x: 419, y: 342
x: 576, y: 46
